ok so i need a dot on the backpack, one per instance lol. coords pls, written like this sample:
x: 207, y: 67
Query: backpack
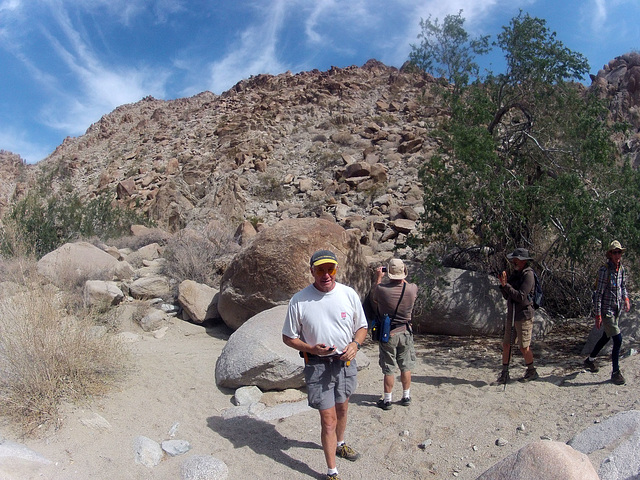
x: 537, y: 296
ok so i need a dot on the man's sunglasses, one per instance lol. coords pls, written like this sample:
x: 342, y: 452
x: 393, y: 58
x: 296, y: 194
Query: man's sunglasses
x: 330, y: 270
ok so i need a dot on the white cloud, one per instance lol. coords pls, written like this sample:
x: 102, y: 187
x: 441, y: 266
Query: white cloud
x: 255, y: 52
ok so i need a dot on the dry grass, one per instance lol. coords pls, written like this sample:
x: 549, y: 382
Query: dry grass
x: 47, y: 357
x: 199, y: 255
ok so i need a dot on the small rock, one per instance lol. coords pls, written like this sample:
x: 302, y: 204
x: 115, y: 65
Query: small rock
x: 404, y: 433
x: 424, y: 444
x: 501, y: 442
x: 521, y: 428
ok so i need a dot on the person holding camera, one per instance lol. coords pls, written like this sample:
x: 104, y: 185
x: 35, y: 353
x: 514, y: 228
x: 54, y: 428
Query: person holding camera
x: 396, y: 299
x: 326, y: 323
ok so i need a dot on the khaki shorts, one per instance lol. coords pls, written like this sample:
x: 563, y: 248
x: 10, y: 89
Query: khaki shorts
x: 610, y: 324
x: 329, y: 382
x: 523, y: 332
x: 397, y: 352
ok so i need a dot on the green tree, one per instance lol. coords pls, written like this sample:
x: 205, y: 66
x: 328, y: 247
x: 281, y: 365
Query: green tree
x: 527, y: 160
x: 446, y: 50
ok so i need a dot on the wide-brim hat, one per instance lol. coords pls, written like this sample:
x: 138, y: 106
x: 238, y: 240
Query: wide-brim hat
x: 323, y: 256
x: 520, y: 254
x: 396, y: 270
x: 615, y: 245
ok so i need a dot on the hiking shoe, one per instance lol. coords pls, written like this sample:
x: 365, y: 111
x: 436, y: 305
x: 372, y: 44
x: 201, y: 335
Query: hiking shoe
x: 383, y: 405
x: 333, y: 476
x: 530, y: 374
x: 617, y: 378
x: 345, y: 451
x: 591, y: 366
x: 405, y: 401
x: 502, y: 379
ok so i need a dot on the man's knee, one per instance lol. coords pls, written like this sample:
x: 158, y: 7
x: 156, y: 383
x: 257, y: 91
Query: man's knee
x: 329, y: 418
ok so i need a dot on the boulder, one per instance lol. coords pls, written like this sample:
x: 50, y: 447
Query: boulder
x: 619, y: 437
x: 256, y: 355
x: 275, y: 265
x: 99, y: 292
x: 150, y: 287
x: 543, y: 459
x: 73, y: 261
x: 198, y: 301
x: 470, y: 303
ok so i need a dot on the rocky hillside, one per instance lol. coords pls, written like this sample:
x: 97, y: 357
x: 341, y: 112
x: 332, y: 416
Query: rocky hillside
x: 345, y: 143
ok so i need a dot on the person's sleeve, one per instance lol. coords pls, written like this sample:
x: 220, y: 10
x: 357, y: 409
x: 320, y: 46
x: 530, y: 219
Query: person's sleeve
x: 291, y: 327
x: 359, y: 318
x: 623, y: 284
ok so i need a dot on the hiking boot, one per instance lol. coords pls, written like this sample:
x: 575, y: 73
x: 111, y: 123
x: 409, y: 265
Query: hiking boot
x: 502, y: 379
x: 617, y: 378
x: 591, y: 366
x: 530, y: 374
x: 333, y: 476
x: 345, y: 451
x: 405, y: 401
x: 383, y: 405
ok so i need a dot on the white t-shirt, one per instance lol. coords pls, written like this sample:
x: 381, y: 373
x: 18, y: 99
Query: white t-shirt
x: 331, y: 318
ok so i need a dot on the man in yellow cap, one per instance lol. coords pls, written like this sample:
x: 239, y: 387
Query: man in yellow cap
x: 610, y: 298
x: 326, y: 323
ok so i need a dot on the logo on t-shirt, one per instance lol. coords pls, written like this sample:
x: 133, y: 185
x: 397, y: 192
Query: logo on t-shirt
x: 343, y: 315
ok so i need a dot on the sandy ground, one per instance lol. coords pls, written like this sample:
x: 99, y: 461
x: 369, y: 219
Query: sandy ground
x: 456, y: 415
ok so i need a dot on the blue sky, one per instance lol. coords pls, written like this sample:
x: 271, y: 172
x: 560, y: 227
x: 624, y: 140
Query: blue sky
x: 65, y: 63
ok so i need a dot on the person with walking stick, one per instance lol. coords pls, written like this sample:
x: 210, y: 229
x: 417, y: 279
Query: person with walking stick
x: 518, y: 291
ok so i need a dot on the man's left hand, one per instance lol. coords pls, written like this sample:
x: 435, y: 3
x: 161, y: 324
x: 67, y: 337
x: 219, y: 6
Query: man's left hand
x: 627, y: 305
x: 349, y: 352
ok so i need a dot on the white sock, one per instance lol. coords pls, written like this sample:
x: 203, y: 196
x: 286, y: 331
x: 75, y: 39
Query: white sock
x: 341, y: 443
x: 388, y: 397
x: 332, y: 471
x: 406, y: 393
x: 591, y: 359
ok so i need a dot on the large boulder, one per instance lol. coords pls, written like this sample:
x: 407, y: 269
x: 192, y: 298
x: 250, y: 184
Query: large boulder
x: 77, y: 261
x: 198, y: 301
x: 619, y: 437
x: 276, y: 265
x: 256, y: 355
x: 467, y: 303
x: 543, y: 459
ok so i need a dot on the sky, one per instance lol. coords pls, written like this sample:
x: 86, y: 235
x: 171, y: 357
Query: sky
x: 66, y: 63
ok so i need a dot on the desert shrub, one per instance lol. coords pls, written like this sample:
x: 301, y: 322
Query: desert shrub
x: 41, y: 224
x: 47, y: 357
x: 270, y: 188
x: 197, y: 256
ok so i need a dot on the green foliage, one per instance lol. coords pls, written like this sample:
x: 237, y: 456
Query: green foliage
x: 446, y: 50
x: 527, y: 160
x: 42, y: 224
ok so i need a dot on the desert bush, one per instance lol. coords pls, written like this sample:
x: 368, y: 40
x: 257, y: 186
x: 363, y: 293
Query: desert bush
x: 197, y: 256
x: 47, y: 357
x: 40, y: 224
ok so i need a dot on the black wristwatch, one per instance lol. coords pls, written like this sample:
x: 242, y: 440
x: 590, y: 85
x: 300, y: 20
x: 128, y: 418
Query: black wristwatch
x: 357, y: 344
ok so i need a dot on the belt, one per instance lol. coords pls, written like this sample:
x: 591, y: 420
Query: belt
x: 310, y: 358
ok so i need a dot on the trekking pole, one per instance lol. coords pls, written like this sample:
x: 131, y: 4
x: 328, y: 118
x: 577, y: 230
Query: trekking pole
x: 512, y: 339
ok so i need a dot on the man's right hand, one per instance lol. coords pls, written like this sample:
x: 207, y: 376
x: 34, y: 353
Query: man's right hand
x: 598, y: 321
x: 322, y: 349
